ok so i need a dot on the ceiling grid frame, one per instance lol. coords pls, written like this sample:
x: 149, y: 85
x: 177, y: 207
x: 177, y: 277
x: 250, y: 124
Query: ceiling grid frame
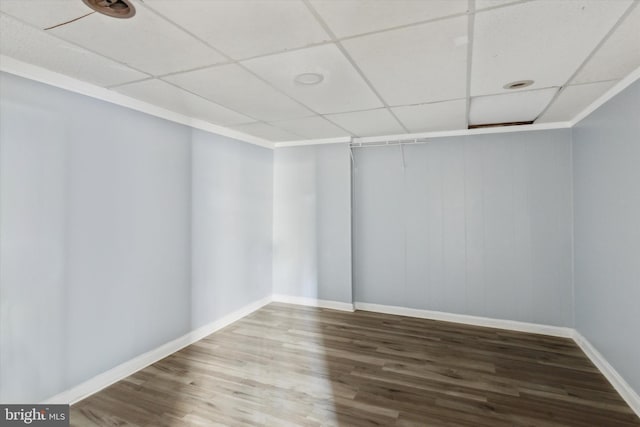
x: 612, y: 30
x: 189, y: 93
x: 613, y: 91
x: 595, y: 81
x: 335, y: 40
x: 71, y: 84
x: 36, y: 73
x: 470, y: 34
x: 352, y: 62
x: 230, y: 61
x: 131, y: 82
x: 150, y: 14
x: 426, y: 21
x: 54, y: 35
x: 239, y: 63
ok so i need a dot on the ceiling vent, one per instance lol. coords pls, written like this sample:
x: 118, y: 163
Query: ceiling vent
x: 113, y: 8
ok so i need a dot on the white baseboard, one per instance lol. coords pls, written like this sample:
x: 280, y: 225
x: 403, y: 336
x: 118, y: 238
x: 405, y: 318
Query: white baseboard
x: 125, y: 369
x: 556, y: 331
x: 616, y: 380
x: 111, y: 376
x: 313, y: 302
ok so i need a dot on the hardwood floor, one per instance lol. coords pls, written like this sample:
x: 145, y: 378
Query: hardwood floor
x: 287, y: 365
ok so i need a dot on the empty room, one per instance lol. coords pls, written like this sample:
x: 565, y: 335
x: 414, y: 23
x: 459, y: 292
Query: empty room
x: 319, y: 213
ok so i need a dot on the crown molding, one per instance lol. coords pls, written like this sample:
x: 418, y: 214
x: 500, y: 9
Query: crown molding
x: 33, y: 72
x: 42, y: 75
x: 461, y: 132
x: 613, y: 91
x: 616, y: 89
x: 338, y: 140
x: 423, y: 135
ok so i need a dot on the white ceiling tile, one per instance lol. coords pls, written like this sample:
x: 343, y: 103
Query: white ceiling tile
x: 311, y: 127
x: 245, y: 28
x: 349, y: 17
x: 545, y: 41
x: 509, y: 107
x: 484, y: 4
x: 448, y: 115
x: 425, y: 63
x: 146, y: 42
x: 232, y: 86
x: 342, y: 88
x: 163, y: 94
x: 36, y: 47
x: 572, y: 100
x: 265, y: 131
x: 44, y: 13
x: 618, y: 56
x: 368, y: 123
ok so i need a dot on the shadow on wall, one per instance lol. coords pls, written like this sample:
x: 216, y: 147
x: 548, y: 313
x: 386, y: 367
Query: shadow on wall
x: 283, y: 365
x: 94, y: 237
x: 113, y: 243
x: 289, y: 365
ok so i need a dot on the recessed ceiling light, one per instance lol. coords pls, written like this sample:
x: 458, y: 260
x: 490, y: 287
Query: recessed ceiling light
x: 518, y: 84
x: 113, y: 8
x: 309, y: 79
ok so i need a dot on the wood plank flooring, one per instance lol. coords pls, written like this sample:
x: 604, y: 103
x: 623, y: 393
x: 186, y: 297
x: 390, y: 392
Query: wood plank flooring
x: 287, y: 365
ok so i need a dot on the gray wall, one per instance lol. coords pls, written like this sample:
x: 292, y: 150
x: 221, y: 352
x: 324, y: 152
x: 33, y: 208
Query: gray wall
x: 312, y: 222
x: 606, y: 166
x: 477, y: 225
x: 96, y: 222
x: 232, y: 225
x: 120, y: 231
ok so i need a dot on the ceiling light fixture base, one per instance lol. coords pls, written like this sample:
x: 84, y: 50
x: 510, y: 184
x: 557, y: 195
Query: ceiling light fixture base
x: 309, y: 79
x: 121, y: 9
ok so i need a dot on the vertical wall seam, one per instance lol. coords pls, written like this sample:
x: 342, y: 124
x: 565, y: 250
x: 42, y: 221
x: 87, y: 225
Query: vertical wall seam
x: 484, y: 230
x: 529, y: 260
x: 572, y: 220
x: 465, y: 209
x: 273, y: 221
x: 352, y: 162
x: 191, y: 228
x: 442, y: 298
x: 404, y: 220
x: 352, y: 206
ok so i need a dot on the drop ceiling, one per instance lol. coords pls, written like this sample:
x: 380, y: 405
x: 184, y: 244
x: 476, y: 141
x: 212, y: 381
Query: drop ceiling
x: 389, y: 67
